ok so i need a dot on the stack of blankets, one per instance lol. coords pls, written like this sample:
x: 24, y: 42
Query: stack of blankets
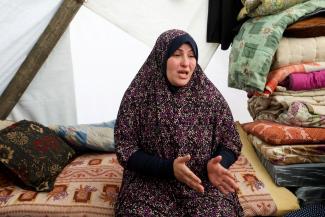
x: 279, y: 60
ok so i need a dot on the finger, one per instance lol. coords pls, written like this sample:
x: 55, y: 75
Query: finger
x: 196, y: 186
x: 184, y: 159
x: 193, y: 181
x: 216, y: 160
x: 228, y: 173
x: 190, y: 176
x: 222, y: 189
x: 231, y: 182
x: 227, y: 187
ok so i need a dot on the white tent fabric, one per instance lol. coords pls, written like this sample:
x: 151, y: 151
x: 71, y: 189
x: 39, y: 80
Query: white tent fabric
x: 147, y: 19
x: 50, y: 98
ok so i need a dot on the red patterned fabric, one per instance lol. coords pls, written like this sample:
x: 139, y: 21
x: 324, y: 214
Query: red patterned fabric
x: 279, y: 134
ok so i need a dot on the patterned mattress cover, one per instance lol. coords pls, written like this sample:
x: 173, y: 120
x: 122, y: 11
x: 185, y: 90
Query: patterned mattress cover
x: 88, y: 186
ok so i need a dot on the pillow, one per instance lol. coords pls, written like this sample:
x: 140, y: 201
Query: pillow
x: 306, y: 28
x: 34, y: 153
x: 98, y: 137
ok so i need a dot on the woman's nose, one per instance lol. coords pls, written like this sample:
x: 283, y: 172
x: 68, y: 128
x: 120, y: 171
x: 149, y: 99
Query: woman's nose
x: 185, y: 61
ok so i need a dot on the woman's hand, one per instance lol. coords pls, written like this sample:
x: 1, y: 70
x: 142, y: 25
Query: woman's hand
x: 185, y: 175
x: 220, y: 176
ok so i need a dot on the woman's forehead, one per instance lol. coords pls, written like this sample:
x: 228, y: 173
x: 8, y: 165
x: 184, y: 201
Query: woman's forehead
x: 185, y: 47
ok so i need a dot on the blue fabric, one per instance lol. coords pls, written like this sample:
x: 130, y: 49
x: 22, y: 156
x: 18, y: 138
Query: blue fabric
x: 97, y: 137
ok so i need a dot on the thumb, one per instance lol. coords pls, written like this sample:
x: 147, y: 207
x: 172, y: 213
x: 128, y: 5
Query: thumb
x: 184, y: 159
x: 216, y: 160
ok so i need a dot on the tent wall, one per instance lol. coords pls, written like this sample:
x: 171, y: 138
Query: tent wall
x: 42, y: 105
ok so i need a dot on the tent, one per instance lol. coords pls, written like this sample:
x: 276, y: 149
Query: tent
x: 50, y: 98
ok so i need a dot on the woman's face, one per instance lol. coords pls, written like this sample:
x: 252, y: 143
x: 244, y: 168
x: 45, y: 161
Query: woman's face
x: 181, y: 65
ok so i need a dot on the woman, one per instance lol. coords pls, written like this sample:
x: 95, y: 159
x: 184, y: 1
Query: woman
x: 175, y: 138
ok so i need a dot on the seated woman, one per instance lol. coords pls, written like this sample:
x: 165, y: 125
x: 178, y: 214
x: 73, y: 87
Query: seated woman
x: 176, y: 138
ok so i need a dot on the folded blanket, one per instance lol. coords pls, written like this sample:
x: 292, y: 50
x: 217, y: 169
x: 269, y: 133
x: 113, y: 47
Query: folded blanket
x: 299, y: 50
x: 278, y: 75
x: 305, y: 81
x: 279, y: 134
x: 289, y: 154
x: 298, y: 108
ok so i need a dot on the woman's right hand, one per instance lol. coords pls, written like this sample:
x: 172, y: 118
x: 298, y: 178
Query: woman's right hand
x: 185, y: 175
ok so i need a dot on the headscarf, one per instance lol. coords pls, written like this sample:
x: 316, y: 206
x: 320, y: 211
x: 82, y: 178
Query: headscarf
x: 194, y: 120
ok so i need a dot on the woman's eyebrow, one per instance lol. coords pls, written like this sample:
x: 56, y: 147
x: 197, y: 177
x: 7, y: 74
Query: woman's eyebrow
x: 180, y: 49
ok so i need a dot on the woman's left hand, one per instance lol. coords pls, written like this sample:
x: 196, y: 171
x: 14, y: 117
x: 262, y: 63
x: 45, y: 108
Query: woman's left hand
x: 220, y: 176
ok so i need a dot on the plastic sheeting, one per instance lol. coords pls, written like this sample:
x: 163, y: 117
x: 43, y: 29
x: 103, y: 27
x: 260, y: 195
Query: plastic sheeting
x: 50, y: 97
x: 147, y: 19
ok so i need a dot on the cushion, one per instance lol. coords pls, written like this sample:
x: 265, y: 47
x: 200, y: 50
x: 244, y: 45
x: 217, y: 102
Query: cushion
x: 306, y: 28
x: 34, y: 153
x: 97, y: 137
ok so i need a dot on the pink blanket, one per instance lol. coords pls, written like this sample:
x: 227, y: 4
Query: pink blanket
x: 305, y: 81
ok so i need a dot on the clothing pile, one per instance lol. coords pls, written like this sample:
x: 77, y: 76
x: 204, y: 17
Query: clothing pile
x: 278, y: 58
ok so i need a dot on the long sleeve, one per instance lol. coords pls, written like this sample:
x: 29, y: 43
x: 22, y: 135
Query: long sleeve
x: 147, y: 164
x: 228, y: 157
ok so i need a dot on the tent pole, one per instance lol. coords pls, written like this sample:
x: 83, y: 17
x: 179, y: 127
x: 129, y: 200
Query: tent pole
x: 37, y: 56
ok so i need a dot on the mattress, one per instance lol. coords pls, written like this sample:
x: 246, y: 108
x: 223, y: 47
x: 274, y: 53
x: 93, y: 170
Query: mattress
x: 295, y: 175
